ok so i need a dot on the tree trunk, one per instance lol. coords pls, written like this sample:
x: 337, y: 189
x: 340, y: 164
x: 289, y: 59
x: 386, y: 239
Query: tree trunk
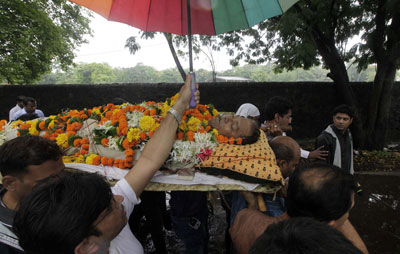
x: 380, y: 101
x: 385, y: 47
x: 175, y: 56
x: 338, y: 74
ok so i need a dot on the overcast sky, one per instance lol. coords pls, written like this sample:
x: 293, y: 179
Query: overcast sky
x: 107, y: 46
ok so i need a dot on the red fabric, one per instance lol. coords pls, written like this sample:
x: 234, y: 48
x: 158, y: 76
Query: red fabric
x: 132, y: 12
x: 164, y: 15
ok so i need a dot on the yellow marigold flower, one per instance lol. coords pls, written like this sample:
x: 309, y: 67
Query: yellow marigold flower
x: 67, y: 159
x: 183, y: 126
x: 205, y: 122
x: 52, y: 117
x: 32, y: 129
x: 90, y: 158
x: 51, y: 125
x: 62, y: 140
x: 147, y: 123
x: 16, y: 123
x: 215, y: 131
x: 164, y: 109
x: 79, y: 159
x: 174, y: 98
x: 133, y: 134
x: 116, y: 110
x: 206, y: 112
x: 96, y: 111
x: 215, y: 112
x: 193, y: 124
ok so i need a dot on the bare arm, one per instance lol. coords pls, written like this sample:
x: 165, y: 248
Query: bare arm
x: 350, y: 233
x: 159, y: 146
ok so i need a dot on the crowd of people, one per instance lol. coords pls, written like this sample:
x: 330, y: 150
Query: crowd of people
x: 47, y: 210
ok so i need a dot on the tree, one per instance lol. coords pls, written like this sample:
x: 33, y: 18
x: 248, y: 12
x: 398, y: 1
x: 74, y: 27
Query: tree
x: 93, y: 73
x: 36, y: 33
x: 138, y: 74
x: 204, y: 44
x: 316, y: 32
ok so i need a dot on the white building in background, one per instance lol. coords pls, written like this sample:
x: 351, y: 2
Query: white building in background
x: 232, y: 79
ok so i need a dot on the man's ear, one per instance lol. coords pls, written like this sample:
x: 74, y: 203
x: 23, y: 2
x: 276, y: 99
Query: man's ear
x: 351, y: 120
x: 10, y: 182
x: 282, y: 164
x: 87, y: 246
x: 277, y: 117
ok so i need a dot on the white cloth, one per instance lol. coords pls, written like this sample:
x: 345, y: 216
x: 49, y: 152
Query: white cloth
x: 337, y: 160
x: 247, y: 110
x: 159, y: 177
x: 126, y: 242
x: 304, y: 153
x: 23, y: 112
x: 13, y: 111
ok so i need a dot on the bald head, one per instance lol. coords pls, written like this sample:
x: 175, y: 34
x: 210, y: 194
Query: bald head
x: 324, y: 192
x: 287, y: 153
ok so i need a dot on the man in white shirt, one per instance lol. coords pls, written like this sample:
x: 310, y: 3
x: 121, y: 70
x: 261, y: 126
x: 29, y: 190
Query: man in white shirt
x: 18, y: 107
x: 278, y: 115
x: 29, y: 108
x: 79, y: 213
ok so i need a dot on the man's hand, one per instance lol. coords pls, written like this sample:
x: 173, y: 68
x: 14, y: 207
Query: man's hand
x: 185, y: 94
x: 272, y: 128
x: 318, y: 154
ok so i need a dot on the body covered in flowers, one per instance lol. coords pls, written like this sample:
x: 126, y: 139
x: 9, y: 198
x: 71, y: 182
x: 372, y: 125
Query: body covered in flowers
x: 112, y: 135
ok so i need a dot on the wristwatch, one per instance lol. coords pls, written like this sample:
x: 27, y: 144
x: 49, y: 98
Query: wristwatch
x: 175, y: 113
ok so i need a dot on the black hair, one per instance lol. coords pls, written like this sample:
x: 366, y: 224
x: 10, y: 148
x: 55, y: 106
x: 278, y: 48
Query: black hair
x: 254, y: 136
x: 60, y: 212
x: 278, y: 105
x: 343, y: 108
x: 20, y: 98
x: 302, y: 236
x: 118, y: 101
x: 321, y: 191
x: 29, y: 99
x: 18, y: 153
x: 282, y: 151
x: 28, y: 116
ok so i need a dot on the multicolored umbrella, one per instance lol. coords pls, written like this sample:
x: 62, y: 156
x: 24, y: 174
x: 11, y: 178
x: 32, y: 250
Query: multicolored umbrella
x: 187, y: 17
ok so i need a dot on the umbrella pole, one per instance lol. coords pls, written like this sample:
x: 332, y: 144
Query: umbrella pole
x: 190, y: 36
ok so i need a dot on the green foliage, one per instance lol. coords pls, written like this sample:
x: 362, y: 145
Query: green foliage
x: 36, y: 33
x: 290, y: 39
x: 376, y: 161
x: 102, y: 73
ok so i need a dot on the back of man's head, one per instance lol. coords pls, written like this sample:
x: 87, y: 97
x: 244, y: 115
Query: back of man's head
x: 29, y: 99
x: 276, y: 105
x: 286, y: 150
x: 20, y: 98
x: 302, y: 236
x: 284, y: 147
x: 343, y: 108
x: 321, y: 191
x: 60, y: 212
x: 17, y: 154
